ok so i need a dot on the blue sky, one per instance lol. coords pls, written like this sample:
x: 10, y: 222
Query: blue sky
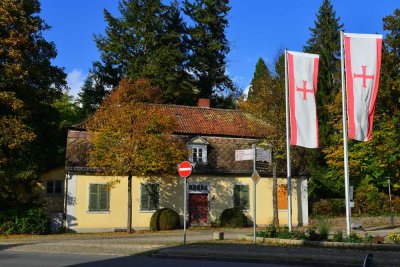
x: 257, y: 28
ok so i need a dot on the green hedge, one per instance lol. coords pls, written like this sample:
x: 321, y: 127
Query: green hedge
x: 164, y: 219
x: 367, y: 201
x: 329, y: 207
x: 32, y: 221
x: 233, y: 218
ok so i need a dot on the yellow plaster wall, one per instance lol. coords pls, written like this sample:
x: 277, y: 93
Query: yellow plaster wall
x: 52, y: 203
x: 171, y: 196
x: 115, y: 217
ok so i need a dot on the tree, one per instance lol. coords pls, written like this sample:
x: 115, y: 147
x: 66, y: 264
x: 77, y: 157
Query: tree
x: 261, y: 78
x: 131, y: 139
x: 27, y: 74
x: 267, y: 102
x: 15, y: 137
x: 324, y: 41
x: 370, y: 163
x: 145, y: 42
x: 91, y: 95
x: 208, y: 45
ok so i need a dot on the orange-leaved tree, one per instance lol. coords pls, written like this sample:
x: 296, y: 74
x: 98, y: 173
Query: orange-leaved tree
x: 129, y: 137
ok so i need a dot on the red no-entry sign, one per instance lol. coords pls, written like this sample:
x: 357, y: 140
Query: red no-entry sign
x: 185, y: 169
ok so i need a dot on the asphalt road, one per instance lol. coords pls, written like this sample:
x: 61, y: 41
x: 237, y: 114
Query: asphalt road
x: 35, y: 259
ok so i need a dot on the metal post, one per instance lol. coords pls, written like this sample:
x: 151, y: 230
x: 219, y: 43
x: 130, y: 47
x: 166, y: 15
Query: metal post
x: 254, y: 196
x: 288, y: 147
x: 391, y: 207
x: 345, y: 150
x: 184, y: 210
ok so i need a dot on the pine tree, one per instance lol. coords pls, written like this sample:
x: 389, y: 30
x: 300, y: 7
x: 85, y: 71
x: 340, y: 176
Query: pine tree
x: 146, y: 42
x: 261, y: 78
x: 324, y: 41
x: 27, y: 74
x: 91, y: 95
x: 209, y: 45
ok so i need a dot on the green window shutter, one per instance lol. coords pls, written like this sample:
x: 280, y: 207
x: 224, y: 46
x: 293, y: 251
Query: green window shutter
x: 236, y: 196
x: 245, y: 197
x: 93, y: 196
x: 99, y: 197
x: 241, y: 196
x: 144, y: 197
x: 103, y: 197
x: 149, y: 196
x: 154, y: 196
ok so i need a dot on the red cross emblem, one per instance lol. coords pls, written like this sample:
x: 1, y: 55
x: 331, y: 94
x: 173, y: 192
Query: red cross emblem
x: 364, y: 76
x: 304, y: 90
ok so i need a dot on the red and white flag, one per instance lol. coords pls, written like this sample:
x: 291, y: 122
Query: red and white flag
x: 303, y: 77
x: 363, y: 63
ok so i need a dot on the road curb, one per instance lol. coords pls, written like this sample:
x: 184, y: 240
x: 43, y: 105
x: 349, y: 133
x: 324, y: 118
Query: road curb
x: 238, y: 258
x: 327, y: 244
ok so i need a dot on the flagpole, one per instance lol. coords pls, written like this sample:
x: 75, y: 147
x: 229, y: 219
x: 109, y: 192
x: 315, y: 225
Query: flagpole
x: 288, y: 148
x: 345, y: 149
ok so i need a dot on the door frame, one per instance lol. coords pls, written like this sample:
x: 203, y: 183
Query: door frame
x: 205, y: 189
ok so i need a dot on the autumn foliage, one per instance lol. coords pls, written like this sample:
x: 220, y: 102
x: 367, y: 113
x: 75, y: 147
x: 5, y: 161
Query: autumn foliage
x: 129, y: 138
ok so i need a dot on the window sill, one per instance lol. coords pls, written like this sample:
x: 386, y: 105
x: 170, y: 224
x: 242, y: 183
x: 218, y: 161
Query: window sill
x: 98, y: 212
x: 147, y: 211
x: 52, y: 195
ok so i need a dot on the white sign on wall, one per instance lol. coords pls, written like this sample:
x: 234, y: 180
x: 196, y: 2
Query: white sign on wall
x: 244, y: 154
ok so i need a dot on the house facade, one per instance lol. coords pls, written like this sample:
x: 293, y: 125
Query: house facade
x: 96, y: 203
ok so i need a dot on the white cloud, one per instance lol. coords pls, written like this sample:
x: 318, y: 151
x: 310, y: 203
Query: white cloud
x: 75, y: 80
x: 246, y: 91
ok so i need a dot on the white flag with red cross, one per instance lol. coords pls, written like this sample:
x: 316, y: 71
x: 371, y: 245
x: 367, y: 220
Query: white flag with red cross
x: 303, y: 77
x: 363, y: 63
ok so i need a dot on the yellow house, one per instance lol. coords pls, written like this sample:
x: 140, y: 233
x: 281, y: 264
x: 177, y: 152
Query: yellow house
x: 97, y: 203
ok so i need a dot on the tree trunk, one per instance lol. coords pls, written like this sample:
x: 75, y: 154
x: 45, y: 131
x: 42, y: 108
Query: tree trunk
x: 129, y: 225
x: 275, y: 195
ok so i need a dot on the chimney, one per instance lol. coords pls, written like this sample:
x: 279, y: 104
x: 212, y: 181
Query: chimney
x: 203, y: 103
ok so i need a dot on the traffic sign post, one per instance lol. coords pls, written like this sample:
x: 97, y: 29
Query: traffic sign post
x: 184, y: 170
x: 255, y: 176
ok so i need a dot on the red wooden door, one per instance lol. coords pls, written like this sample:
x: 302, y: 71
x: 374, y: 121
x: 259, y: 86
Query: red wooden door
x: 198, y: 208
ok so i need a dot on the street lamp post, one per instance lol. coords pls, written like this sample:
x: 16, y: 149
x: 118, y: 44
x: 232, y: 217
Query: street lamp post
x: 390, y: 204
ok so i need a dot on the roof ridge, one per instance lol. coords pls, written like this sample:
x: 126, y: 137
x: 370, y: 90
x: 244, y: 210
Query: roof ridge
x: 195, y: 107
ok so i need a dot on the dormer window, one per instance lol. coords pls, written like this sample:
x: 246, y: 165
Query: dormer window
x: 198, y: 150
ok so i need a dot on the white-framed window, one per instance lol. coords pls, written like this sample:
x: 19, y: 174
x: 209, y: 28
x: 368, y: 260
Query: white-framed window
x: 55, y: 188
x: 198, y: 153
x: 197, y: 149
x: 99, y: 197
x: 149, y: 197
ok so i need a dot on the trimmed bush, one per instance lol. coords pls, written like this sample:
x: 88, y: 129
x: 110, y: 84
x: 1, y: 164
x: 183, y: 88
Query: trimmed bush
x: 164, y: 219
x: 233, y: 218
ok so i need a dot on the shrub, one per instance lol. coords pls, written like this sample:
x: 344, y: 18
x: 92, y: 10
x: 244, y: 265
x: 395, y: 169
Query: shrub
x: 284, y: 233
x: 270, y: 231
x: 233, y: 218
x: 338, y: 236
x: 312, y: 234
x: 323, y: 228
x: 369, y: 201
x: 164, y: 219
x: 379, y: 239
x: 353, y: 238
x: 394, y: 237
x: 299, y: 235
x: 33, y: 221
x: 329, y: 207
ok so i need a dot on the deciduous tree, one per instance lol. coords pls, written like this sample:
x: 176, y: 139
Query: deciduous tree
x: 131, y: 139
